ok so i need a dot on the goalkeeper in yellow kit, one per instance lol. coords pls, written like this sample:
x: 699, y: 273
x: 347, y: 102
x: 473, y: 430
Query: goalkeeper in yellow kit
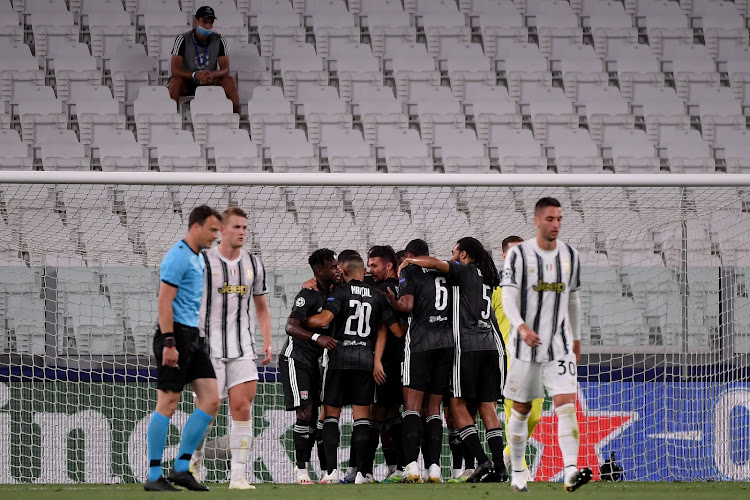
x: 504, y: 323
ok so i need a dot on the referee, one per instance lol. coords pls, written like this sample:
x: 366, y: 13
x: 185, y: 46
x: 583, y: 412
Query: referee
x: 180, y: 355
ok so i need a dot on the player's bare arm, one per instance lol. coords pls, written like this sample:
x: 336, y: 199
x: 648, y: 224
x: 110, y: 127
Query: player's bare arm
x: 320, y: 320
x: 263, y: 313
x: 378, y: 371
x: 397, y: 329
x: 404, y: 304
x: 167, y: 294
x: 294, y: 328
x: 425, y: 261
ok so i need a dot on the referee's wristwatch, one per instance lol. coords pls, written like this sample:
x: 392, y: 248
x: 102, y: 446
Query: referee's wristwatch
x: 169, y: 341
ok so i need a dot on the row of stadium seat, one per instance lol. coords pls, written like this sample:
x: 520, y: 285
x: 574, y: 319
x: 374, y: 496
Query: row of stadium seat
x: 113, y: 310
x: 572, y: 138
x: 585, y: 125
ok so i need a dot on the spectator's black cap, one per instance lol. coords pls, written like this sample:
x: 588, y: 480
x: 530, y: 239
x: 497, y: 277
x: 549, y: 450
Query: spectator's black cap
x: 205, y: 12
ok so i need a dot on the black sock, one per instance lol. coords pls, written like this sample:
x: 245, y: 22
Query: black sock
x: 434, y: 439
x: 360, y: 443
x: 395, y: 430
x: 495, y: 441
x: 302, y: 443
x: 389, y: 454
x: 470, y: 440
x: 373, y: 428
x: 319, y: 445
x: 331, y: 436
x: 457, y: 450
x: 410, y: 428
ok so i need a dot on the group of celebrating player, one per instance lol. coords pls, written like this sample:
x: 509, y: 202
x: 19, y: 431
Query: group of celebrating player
x: 417, y: 332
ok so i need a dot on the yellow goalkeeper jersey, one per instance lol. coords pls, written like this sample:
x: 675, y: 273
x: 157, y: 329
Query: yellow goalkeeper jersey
x: 502, y: 321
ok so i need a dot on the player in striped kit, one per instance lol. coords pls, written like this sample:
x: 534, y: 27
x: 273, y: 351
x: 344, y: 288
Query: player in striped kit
x: 227, y: 321
x: 504, y: 324
x: 541, y: 278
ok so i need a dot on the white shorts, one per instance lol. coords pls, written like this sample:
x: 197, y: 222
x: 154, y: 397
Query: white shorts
x: 231, y: 372
x: 526, y: 380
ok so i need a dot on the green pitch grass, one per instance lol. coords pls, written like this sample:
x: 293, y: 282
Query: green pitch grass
x: 546, y: 491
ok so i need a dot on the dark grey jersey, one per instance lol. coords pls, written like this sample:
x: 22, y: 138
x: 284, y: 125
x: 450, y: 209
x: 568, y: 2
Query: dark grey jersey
x: 198, y: 56
x: 358, y: 311
x: 306, y: 303
x: 474, y: 323
x: 431, y: 318
x: 394, y: 347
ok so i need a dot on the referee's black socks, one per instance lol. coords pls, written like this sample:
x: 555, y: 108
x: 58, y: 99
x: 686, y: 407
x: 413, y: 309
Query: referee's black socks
x: 331, y: 442
x: 411, y: 424
x: 470, y: 440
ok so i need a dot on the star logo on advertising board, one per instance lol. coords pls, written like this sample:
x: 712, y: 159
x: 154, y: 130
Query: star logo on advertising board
x: 596, y: 429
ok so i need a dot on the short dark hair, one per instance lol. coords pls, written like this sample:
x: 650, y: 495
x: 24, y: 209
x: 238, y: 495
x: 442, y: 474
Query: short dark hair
x: 345, y: 254
x: 418, y: 248
x: 384, y: 252
x: 401, y: 254
x: 319, y: 258
x: 200, y: 214
x: 351, y: 260
x: 544, y: 203
x: 510, y: 239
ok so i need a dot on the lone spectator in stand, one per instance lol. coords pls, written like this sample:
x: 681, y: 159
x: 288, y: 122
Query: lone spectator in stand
x: 200, y: 57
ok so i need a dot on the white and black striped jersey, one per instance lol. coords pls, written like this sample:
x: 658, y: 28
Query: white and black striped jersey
x: 227, y: 319
x: 545, y: 279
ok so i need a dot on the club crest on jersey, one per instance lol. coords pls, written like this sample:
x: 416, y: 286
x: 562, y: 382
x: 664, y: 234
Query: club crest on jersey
x: 543, y: 286
x: 241, y: 290
x: 249, y: 274
x: 303, y: 395
x: 300, y: 302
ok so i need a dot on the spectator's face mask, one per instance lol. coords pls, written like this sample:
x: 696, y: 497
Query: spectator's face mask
x: 203, y: 31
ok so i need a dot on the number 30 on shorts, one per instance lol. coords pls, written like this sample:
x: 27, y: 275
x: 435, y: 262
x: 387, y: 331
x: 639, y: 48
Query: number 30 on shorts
x: 570, y: 368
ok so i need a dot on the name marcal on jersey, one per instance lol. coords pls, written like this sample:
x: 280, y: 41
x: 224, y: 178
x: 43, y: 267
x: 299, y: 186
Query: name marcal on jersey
x: 542, y: 286
x: 239, y: 289
x: 361, y: 290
